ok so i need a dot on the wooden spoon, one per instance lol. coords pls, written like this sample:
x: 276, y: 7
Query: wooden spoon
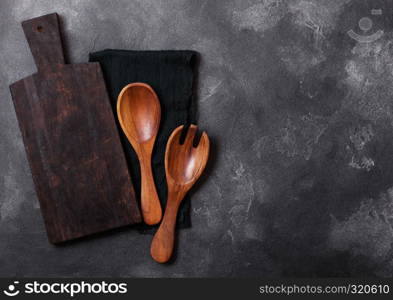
x: 139, y: 112
x: 184, y: 164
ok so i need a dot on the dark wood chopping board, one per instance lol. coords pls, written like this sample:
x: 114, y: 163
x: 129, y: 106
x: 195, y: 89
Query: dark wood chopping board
x: 72, y: 144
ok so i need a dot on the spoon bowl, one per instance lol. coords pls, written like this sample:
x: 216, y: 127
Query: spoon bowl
x: 139, y: 113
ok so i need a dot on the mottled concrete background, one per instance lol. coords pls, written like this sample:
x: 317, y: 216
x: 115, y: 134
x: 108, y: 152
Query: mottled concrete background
x: 301, y: 118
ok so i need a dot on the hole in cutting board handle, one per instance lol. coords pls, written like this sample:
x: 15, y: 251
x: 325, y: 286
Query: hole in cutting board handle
x: 40, y: 28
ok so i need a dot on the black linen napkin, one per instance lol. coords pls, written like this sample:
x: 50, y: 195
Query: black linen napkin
x: 172, y: 76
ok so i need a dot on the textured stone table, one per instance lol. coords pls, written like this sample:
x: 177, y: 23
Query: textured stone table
x: 300, y: 114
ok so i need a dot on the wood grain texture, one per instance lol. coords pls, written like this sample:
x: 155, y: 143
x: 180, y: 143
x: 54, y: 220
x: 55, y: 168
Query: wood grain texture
x: 139, y: 113
x: 184, y: 164
x: 71, y: 141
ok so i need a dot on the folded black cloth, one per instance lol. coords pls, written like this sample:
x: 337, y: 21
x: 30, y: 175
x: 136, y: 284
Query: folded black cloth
x: 172, y: 75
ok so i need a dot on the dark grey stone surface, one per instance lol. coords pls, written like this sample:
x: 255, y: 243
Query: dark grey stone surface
x: 300, y: 114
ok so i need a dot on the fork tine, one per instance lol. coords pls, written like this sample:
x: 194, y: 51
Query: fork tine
x: 203, y: 140
x: 197, y: 138
x: 192, y: 130
x: 183, y: 133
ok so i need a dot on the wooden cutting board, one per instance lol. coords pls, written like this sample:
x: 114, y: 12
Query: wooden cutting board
x: 72, y: 144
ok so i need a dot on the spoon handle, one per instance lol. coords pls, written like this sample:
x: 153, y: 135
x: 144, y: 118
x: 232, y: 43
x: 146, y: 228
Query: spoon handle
x: 151, y: 206
x: 162, y: 245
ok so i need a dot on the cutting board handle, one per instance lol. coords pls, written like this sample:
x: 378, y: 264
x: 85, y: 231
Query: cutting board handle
x: 43, y: 36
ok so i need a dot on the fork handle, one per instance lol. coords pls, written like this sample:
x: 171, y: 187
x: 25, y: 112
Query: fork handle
x: 163, y: 241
